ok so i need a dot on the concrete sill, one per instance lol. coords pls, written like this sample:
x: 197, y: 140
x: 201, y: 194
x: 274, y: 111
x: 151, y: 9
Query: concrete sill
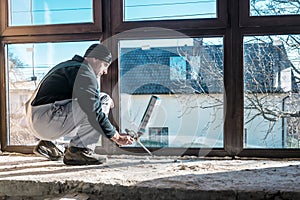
x: 139, y: 177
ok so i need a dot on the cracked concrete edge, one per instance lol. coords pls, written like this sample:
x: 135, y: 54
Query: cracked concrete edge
x: 14, y: 190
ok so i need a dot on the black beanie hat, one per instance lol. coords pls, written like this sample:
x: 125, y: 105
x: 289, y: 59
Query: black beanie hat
x: 100, y: 52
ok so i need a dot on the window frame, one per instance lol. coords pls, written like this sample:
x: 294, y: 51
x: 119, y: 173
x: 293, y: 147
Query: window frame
x: 233, y: 23
x: 39, y: 34
x: 207, y: 27
x: 119, y: 25
x: 258, y: 26
x: 77, y: 28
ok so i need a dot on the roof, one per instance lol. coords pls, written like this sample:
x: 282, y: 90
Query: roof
x: 184, y: 70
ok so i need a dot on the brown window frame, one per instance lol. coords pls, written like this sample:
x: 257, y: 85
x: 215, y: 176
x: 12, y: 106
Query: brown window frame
x: 233, y: 23
x: 119, y: 25
x: 266, y: 25
x: 39, y: 34
x: 77, y: 28
x: 189, y: 27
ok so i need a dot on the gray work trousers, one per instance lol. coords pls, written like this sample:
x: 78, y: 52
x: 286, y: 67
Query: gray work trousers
x: 62, y: 118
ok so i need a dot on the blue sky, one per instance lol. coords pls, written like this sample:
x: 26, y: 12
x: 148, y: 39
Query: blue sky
x: 72, y: 11
x: 169, y: 9
x: 50, y: 12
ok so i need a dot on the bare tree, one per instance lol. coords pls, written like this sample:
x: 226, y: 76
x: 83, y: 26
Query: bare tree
x: 274, y: 7
x: 271, y: 78
x: 205, y: 75
x: 287, y: 48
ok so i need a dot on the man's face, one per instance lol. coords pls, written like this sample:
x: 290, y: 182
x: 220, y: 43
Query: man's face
x: 100, y: 67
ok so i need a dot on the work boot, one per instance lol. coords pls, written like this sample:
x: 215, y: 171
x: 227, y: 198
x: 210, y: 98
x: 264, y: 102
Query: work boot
x: 82, y: 156
x: 47, y: 149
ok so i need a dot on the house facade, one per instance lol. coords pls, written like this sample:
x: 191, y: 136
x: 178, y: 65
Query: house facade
x: 189, y: 82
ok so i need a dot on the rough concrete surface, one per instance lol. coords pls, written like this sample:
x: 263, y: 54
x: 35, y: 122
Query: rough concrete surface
x: 140, y: 177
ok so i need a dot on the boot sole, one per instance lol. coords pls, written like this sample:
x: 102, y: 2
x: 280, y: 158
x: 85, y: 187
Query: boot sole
x: 46, y: 151
x: 40, y: 152
x: 76, y: 162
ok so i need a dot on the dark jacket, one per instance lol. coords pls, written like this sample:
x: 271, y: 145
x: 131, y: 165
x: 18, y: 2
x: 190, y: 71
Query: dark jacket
x: 75, y: 79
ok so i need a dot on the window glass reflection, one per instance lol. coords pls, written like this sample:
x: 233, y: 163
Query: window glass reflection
x: 274, y: 7
x: 26, y: 65
x: 271, y: 97
x: 145, y: 10
x: 45, y: 12
x: 187, y: 76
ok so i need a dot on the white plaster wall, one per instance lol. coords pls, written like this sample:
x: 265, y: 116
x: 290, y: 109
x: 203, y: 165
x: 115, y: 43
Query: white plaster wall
x: 196, y: 119
x: 186, y: 121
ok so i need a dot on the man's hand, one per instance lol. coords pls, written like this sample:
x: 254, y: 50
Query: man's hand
x: 122, y: 139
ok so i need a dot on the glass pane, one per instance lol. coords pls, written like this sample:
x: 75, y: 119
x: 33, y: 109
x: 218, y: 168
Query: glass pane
x: 42, y: 12
x: 143, y: 10
x: 274, y: 7
x: 271, y: 78
x: 26, y: 65
x: 187, y: 76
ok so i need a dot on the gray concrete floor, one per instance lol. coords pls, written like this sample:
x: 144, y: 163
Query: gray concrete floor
x: 142, y: 177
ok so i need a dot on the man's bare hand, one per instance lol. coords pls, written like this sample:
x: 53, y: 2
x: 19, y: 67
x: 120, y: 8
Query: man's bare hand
x: 122, y: 139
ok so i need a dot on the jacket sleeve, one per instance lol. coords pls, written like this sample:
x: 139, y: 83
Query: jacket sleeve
x: 87, y: 92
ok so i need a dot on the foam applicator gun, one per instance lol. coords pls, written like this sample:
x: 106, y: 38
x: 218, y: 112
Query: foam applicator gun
x: 136, y: 136
x: 145, y: 119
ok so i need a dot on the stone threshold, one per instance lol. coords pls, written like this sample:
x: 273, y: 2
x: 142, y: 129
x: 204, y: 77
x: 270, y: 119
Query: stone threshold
x: 141, y: 177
